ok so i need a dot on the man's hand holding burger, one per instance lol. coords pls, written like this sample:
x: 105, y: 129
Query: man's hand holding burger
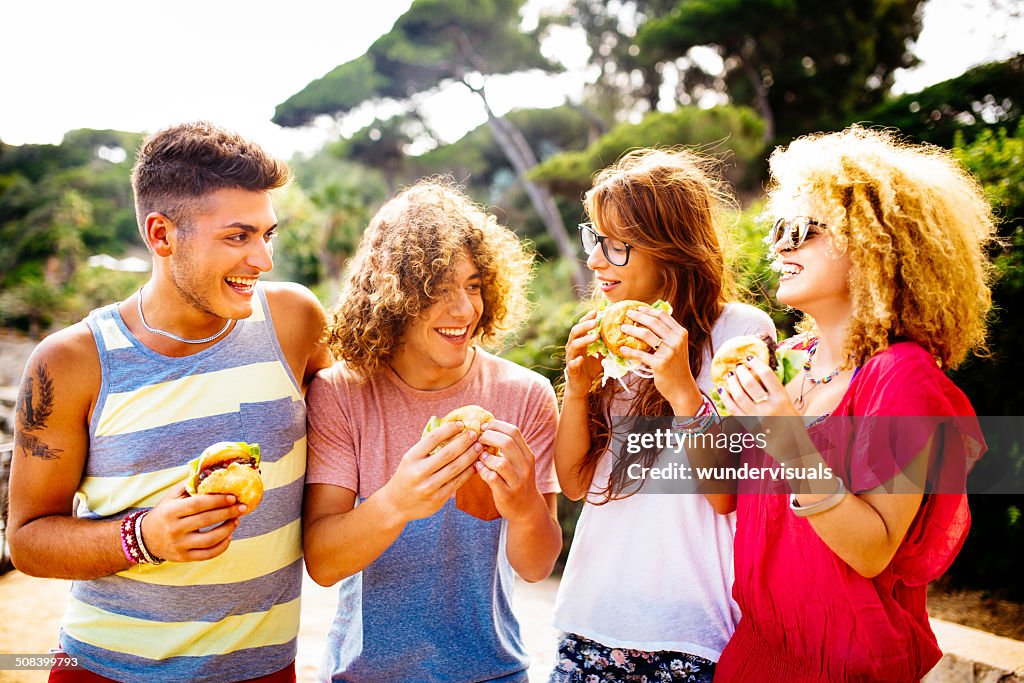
x: 508, y: 466
x: 173, y: 529
x: 426, y: 479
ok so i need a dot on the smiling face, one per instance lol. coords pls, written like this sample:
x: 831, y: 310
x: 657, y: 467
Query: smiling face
x: 215, y: 260
x: 815, y: 276
x: 434, y: 349
x: 639, y: 279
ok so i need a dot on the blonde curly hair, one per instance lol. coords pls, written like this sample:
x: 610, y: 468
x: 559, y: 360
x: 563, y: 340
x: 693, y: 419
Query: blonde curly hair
x: 916, y: 227
x: 405, y: 263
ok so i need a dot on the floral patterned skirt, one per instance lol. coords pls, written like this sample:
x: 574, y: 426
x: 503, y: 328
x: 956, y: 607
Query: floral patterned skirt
x: 581, y: 660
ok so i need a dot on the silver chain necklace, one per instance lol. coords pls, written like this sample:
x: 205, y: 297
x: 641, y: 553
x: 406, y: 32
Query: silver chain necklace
x: 171, y: 335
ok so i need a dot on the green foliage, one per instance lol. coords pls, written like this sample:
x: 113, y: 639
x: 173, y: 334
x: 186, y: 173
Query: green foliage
x: 755, y: 279
x: 986, y: 96
x: 540, y: 345
x: 434, y: 42
x: 733, y: 133
x: 340, y: 90
x: 626, y: 81
x: 808, y: 66
x: 997, y: 159
x: 324, y: 217
x: 58, y: 205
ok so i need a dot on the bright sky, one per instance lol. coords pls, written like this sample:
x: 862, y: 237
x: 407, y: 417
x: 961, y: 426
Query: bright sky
x: 138, y: 66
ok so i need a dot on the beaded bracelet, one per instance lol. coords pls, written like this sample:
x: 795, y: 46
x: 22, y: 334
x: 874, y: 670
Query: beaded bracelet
x: 129, y: 543
x: 702, y: 420
x: 823, y: 505
x: 132, y: 543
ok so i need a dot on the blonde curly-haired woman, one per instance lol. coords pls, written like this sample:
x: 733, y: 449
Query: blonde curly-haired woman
x: 882, y: 245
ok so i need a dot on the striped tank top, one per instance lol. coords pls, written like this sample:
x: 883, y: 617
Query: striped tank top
x: 236, y: 616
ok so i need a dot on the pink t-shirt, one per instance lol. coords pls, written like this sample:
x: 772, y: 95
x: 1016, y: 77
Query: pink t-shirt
x: 359, y: 429
x: 436, y: 605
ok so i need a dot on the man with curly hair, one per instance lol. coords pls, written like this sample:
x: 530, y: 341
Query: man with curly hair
x: 425, y: 586
x: 114, y: 407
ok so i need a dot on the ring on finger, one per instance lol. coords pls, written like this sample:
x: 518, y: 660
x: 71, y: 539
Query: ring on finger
x: 657, y: 345
x: 763, y: 399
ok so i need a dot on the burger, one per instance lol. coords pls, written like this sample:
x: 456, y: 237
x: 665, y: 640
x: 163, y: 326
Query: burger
x: 612, y: 339
x: 474, y: 496
x: 228, y: 467
x: 735, y: 352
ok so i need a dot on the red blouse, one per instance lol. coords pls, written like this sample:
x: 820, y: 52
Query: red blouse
x: 807, y: 615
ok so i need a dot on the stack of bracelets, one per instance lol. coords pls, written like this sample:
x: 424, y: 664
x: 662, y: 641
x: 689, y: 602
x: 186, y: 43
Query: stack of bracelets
x: 135, y: 550
x: 702, y: 420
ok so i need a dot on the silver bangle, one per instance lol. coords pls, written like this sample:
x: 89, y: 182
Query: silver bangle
x: 823, y: 505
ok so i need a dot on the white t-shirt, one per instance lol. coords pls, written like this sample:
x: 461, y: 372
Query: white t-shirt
x: 654, y: 571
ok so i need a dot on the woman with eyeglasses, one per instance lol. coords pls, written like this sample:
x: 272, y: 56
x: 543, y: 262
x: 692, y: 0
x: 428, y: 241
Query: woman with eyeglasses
x: 646, y: 589
x: 882, y: 246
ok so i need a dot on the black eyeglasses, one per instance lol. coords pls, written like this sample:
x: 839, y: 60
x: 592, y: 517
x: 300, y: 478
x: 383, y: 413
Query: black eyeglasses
x: 616, y: 252
x: 794, y: 230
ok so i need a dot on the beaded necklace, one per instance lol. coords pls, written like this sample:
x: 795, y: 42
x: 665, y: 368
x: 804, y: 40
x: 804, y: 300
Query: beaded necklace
x: 799, y: 401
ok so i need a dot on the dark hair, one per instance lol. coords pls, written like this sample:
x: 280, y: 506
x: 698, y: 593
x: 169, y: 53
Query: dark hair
x: 667, y: 203
x: 178, y: 166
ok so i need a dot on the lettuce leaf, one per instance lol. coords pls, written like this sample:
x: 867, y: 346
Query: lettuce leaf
x: 613, y: 365
x: 788, y: 364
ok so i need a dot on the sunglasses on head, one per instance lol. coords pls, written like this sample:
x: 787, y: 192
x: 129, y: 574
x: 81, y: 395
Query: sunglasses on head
x: 792, y: 231
x: 616, y: 252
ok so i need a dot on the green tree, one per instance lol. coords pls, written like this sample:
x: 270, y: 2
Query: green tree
x: 434, y: 44
x: 996, y: 157
x: 734, y: 133
x: 803, y: 65
x: 984, y: 97
x: 626, y: 82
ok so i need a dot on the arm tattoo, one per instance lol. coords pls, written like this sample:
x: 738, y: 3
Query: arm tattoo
x: 35, y: 404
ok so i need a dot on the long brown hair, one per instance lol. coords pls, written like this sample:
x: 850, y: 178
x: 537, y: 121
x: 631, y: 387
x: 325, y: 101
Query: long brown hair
x: 667, y: 203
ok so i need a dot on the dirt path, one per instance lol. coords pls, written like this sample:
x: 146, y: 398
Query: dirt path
x: 30, y: 611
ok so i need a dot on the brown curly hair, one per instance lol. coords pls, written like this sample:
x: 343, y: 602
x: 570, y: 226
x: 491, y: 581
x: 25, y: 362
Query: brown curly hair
x: 916, y: 227
x: 405, y: 263
x: 669, y: 203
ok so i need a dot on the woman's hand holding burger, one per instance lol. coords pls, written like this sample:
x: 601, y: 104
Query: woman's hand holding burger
x: 581, y: 370
x: 666, y: 351
x: 752, y: 388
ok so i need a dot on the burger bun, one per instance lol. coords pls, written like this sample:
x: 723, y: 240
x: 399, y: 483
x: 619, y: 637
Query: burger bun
x: 734, y: 352
x: 241, y: 481
x: 612, y: 320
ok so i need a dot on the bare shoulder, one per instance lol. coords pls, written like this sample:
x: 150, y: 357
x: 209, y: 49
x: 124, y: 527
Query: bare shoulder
x: 290, y: 294
x: 58, y: 392
x: 68, y: 357
x: 299, y: 322
x: 292, y: 302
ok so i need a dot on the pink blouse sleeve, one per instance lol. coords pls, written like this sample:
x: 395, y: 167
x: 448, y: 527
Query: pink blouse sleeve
x: 900, y: 402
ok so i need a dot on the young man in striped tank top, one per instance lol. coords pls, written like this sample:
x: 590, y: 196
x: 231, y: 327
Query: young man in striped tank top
x: 114, y: 407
